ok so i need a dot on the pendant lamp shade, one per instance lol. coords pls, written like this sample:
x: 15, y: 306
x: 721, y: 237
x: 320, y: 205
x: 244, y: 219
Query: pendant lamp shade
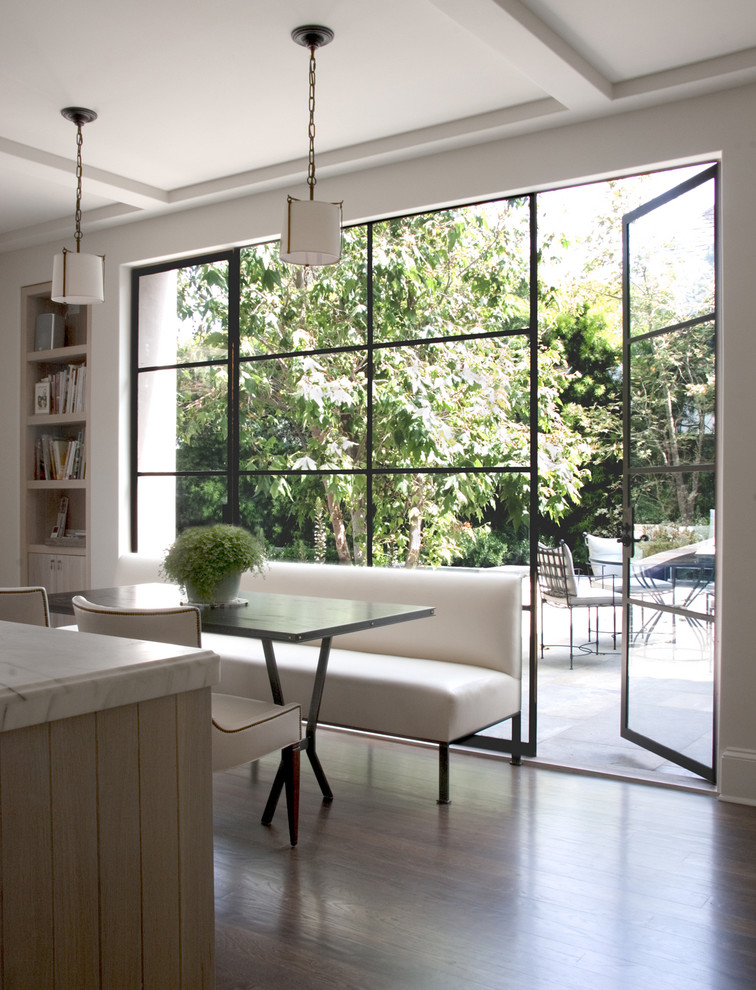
x: 311, y: 232
x: 78, y: 279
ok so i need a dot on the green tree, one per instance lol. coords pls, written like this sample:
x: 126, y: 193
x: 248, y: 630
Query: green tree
x: 592, y: 406
x: 445, y: 394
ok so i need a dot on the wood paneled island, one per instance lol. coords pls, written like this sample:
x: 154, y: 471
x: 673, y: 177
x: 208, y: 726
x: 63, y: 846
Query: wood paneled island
x: 106, y: 847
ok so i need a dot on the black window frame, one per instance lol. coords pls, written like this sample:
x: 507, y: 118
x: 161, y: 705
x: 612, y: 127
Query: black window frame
x: 231, y: 512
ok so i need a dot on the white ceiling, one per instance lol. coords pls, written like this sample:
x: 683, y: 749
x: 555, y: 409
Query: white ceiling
x: 207, y: 99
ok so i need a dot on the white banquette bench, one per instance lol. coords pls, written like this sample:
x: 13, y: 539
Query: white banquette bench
x: 437, y: 679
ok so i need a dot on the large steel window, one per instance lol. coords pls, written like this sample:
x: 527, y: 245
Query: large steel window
x: 361, y: 412
x: 373, y: 412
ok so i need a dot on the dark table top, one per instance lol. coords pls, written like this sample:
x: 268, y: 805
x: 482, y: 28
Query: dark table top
x: 292, y: 618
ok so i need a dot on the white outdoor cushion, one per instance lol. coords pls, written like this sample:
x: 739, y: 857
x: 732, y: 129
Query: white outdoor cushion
x: 569, y: 566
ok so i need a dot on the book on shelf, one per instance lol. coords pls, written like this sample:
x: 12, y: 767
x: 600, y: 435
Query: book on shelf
x: 59, y: 458
x: 67, y: 389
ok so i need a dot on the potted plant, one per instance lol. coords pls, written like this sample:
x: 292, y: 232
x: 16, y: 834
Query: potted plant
x: 208, y: 562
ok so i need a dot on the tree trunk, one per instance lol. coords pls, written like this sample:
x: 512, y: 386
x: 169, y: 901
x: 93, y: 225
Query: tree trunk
x: 415, y: 526
x: 339, y: 529
x: 359, y: 532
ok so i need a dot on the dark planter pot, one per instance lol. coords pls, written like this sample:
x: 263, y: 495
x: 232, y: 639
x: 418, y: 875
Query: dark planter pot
x: 225, y: 591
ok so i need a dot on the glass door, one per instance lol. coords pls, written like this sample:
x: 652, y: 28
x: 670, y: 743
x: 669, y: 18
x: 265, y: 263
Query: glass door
x: 669, y: 599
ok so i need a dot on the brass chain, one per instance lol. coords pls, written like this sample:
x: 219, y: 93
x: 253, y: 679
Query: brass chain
x: 77, y: 215
x: 311, y: 180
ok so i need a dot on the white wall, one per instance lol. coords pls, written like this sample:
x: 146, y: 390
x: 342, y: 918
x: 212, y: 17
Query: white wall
x: 716, y: 126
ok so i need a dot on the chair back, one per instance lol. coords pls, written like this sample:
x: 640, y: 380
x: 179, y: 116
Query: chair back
x: 556, y: 572
x: 604, y: 556
x: 25, y: 605
x: 180, y: 625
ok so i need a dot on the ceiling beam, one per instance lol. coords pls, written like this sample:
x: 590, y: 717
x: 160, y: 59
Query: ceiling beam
x: 533, y: 48
x: 59, y: 170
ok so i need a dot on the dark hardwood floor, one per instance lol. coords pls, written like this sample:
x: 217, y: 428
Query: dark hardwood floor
x: 531, y: 878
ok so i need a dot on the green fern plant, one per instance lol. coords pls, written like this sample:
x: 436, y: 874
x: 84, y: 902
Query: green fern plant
x: 206, y: 555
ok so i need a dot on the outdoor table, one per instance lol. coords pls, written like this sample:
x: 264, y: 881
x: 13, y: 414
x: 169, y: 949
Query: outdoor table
x: 270, y: 618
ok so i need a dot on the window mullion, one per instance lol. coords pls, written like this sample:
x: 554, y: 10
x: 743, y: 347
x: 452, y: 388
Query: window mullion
x: 232, y: 512
x: 369, y: 514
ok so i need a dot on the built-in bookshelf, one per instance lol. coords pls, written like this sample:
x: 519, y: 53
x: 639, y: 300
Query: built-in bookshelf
x: 54, y: 425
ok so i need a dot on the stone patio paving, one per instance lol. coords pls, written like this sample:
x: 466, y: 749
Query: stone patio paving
x: 578, y: 724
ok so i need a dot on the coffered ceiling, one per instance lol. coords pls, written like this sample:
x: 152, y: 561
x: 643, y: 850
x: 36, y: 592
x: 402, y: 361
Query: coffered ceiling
x: 207, y: 100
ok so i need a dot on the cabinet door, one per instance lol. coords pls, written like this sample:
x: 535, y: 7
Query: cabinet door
x: 42, y: 570
x: 71, y: 573
x: 58, y: 572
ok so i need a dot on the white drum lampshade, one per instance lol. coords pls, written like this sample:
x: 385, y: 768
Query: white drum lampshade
x: 78, y: 279
x: 311, y: 233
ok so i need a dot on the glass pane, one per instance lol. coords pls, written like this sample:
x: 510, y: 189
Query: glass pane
x: 156, y: 514
x: 672, y: 261
x: 454, y: 404
x: 286, y: 308
x: 671, y: 681
x: 183, y: 315
x: 674, y: 513
x: 182, y: 417
x: 672, y: 408
x: 456, y: 271
x: 304, y: 517
x: 304, y: 413
x: 461, y: 519
x: 200, y: 501
x: 168, y: 504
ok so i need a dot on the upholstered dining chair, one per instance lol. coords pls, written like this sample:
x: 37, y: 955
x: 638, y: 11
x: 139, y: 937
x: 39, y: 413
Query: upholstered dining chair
x: 25, y: 605
x: 243, y: 729
x: 560, y: 586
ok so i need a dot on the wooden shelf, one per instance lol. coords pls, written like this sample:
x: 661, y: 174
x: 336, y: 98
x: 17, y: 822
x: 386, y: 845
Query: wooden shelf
x: 57, y: 419
x: 57, y: 550
x: 59, y: 567
x: 59, y: 355
x: 34, y: 484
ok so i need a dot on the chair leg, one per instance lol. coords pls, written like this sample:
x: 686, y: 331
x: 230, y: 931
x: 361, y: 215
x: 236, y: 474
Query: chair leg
x: 598, y: 620
x: 287, y: 779
x: 291, y: 763
x: 542, y: 629
x: 570, y: 639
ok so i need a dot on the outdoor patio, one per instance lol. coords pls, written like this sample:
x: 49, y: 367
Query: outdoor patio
x: 578, y: 723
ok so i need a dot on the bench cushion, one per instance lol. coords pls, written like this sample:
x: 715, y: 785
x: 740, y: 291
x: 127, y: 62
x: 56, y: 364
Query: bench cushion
x: 402, y: 696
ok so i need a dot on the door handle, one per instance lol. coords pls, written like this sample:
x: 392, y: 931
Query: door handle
x: 627, y: 537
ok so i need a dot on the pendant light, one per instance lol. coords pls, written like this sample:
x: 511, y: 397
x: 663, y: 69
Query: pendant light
x: 312, y: 229
x: 78, y: 278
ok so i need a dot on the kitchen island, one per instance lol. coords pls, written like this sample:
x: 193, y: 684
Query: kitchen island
x: 106, y: 869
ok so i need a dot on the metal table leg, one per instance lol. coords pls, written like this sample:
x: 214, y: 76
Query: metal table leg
x: 308, y: 742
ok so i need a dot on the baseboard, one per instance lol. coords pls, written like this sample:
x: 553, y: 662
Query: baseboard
x: 737, y: 779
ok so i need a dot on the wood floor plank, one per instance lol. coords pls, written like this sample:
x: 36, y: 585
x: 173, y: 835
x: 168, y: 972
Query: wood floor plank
x: 530, y: 877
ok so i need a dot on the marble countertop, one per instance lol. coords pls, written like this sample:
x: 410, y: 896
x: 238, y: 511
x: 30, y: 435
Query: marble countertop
x: 49, y: 674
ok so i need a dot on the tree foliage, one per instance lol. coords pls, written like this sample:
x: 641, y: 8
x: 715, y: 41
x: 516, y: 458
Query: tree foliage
x: 446, y: 387
x: 392, y: 392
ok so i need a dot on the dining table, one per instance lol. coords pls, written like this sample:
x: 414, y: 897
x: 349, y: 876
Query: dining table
x: 271, y: 618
